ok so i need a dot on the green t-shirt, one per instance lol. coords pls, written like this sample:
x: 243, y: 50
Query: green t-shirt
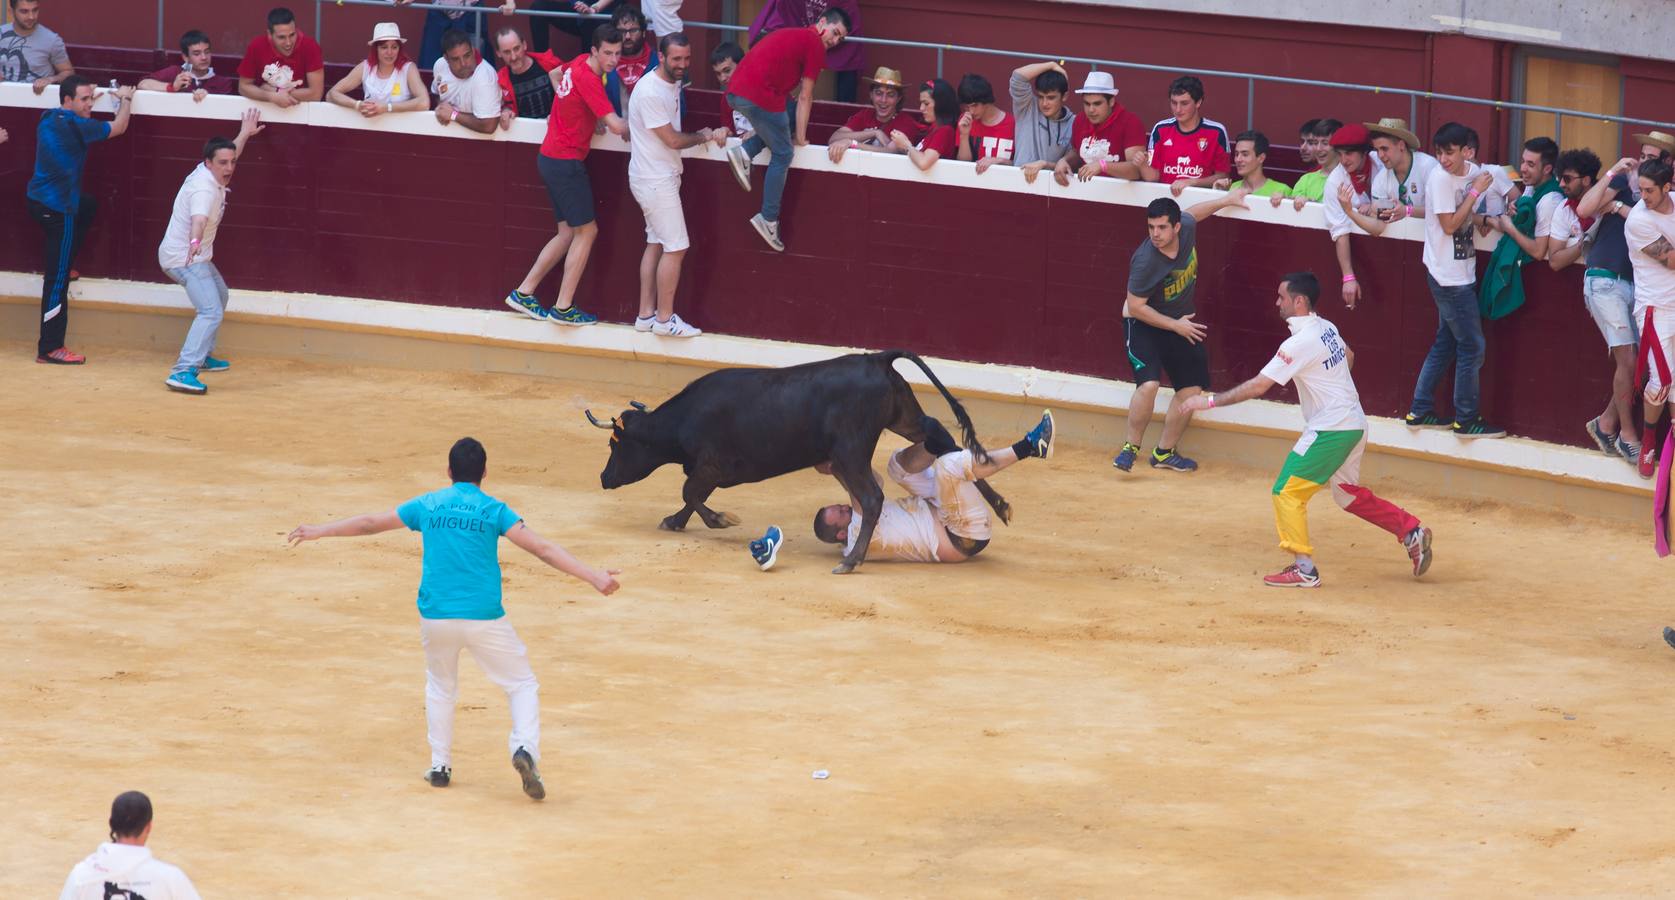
x: 1312, y: 185
x: 1269, y: 188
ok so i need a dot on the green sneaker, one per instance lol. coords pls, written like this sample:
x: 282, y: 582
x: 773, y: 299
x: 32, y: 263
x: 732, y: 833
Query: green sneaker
x: 571, y: 315
x: 211, y: 364
x: 1423, y: 420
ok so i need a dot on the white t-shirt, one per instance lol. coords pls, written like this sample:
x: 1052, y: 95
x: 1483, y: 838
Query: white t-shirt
x: 1318, y: 360
x: 128, y: 868
x: 478, y: 95
x: 1495, y: 200
x: 200, y: 195
x: 654, y: 103
x: 1654, y: 285
x: 385, y: 90
x: 1450, y: 258
x: 1409, y: 191
x: 1544, y: 212
x: 1565, y: 229
x: 663, y: 16
x: 1338, y: 221
x: 908, y: 530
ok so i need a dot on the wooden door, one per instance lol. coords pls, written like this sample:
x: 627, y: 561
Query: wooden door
x: 1570, y: 83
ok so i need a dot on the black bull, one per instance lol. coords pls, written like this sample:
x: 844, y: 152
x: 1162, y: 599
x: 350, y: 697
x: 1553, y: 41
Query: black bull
x: 737, y: 426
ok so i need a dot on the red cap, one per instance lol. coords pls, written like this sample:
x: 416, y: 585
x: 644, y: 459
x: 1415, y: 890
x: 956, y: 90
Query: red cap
x: 1352, y: 135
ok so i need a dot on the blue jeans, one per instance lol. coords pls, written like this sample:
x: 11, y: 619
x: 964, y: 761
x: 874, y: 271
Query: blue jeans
x: 1460, y: 339
x: 773, y: 130
x: 208, y: 294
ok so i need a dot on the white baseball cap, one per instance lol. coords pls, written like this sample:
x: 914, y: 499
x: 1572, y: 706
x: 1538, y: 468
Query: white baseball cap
x: 1098, y: 83
x: 386, y: 31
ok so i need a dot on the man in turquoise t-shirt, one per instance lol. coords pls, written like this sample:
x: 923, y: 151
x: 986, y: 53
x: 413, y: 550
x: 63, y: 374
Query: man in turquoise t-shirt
x: 459, y: 602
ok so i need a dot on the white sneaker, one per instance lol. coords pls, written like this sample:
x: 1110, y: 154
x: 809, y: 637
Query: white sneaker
x: 740, y: 164
x: 675, y: 327
x: 768, y: 230
x: 644, y: 323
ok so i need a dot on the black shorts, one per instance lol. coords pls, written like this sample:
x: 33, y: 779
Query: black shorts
x: 1153, y: 352
x: 568, y: 189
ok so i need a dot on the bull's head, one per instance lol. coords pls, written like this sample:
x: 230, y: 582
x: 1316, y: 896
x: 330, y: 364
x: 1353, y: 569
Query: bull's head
x: 632, y: 456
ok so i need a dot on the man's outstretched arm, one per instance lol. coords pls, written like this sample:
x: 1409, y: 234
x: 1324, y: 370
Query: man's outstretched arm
x: 551, y: 553
x: 354, y: 526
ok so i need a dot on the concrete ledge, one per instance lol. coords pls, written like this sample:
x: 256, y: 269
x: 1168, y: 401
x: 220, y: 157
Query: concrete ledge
x: 151, y: 316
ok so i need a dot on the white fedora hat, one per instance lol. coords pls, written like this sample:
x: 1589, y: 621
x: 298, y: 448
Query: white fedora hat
x: 1098, y: 83
x: 386, y: 31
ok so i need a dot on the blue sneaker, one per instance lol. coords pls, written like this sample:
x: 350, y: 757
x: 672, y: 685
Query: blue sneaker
x: 527, y: 305
x: 572, y: 315
x: 185, y: 383
x: 211, y: 364
x: 1041, y: 436
x: 1607, y: 442
x: 1125, y: 459
x: 766, y: 550
x: 1173, y: 462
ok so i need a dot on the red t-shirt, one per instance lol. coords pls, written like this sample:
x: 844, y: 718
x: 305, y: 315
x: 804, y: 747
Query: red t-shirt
x: 1107, y: 140
x: 215, y: 84
x: 579, y: 104
x: 776, y: 65
x: 632, y: 68
x: 993, y: 140
x: 868, y: 119
x: 943, y: 139
x: 304, y: 58
x: 1178, y: 154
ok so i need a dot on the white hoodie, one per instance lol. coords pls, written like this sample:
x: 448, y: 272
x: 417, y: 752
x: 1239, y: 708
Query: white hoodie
x: 128, y: 868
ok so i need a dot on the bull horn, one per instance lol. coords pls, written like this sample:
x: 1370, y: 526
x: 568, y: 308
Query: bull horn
x: 594, y: 422
x: 638, y: 405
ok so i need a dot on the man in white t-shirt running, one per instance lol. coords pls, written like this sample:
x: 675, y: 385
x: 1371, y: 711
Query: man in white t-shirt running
x: 1650, y: 235
x: 654, y: 173
x: 942, y: 520
x: 1334, y: 436
x: 124, y: 867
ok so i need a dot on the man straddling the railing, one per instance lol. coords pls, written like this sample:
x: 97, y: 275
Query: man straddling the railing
x: 1188, y: 150
x: 786, y: 60
x: 467, y: 93
x: 988, y: 134
x: 869, y: 129
x: 579, y: 106
x: 1349, y: 198
x: 1045, y: 124
x: 1106, y: 138
x: 57, y: 204
x: 194, y: 75
x: 31, y: 52
x: 284, y: 66
x: 724, y: 61
x: 187, y: 253
x: 525, y: 89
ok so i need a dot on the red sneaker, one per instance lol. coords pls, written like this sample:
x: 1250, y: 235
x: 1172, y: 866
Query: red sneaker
x: 1293, y: 577
x: 1418, y: 544
x: 62, y: 357
x: 1648, y: 459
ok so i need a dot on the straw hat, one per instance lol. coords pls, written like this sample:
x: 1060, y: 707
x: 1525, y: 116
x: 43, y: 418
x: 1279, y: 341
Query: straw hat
x: 887, y: 77
x: 386, y: 31
x: 1396, y: 128
x: 1656, y: 139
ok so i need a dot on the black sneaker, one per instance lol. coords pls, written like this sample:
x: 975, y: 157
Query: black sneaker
x: 1423, y: 420
x: 525, y: 764
x: 439, y: 776
x: 1475, y: 427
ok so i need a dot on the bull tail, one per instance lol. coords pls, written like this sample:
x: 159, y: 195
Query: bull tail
x: 968, y: 431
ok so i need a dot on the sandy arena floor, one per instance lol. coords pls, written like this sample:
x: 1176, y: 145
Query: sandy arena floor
x: 1107, y: 703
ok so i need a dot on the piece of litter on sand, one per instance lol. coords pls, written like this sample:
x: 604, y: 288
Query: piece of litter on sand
x: 822, y: 774
x: 1569, y: 718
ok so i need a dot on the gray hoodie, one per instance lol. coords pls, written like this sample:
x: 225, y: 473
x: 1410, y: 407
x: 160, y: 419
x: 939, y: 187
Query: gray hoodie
x: 129, y: 868
x: 1036, y: 139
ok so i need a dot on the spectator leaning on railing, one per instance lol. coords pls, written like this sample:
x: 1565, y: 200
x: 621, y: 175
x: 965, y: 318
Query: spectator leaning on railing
x: 869, y: 129
x: 639, y: 56
x: 283, y: 67
x: 1399, y: 190
x: 387, y: 79
x: 31, y: 52
x: 57, y: 204
x: 940, y: 109
x: 1349, y: 200
x: 466, y: 89
x: 1043, y: 133
x: 1316, y: 150
x: 1525, y: 229
x: 194, y: 75
x: 1653, y: 145
x: 1250, y: 154
x: 988, y: 134
x: 1106, y: 139
x: 525, y: 89
x: 1187, y: 150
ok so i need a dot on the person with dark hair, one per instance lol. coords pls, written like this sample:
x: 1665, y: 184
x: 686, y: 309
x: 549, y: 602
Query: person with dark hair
x: 1334, y: 437
x: 1042, y: 133
x: 525, y: 89
x: 639, y: 56
x: 187, y: 252
x: 1399, y: 190
x: 1653, y: 145
x: 1159, y: 331
x: 123, y: 868
x: 194, y: 75
x: 457, y: 18
x: 579, y: 105
x: 785, y: 60
x: 724, y: 61
x: 987, y: 133
x: 284, y: 66
x: 1349, y: 199
x: 31, y: 52
x: 460, y: 601
x: 1589, y: 228
x: 943, y: 519
x: 467, y: 91
x: 1186, y: 149
x: 869, y: 129
x: 846, y: 60
x: 1106, y: 138
x: 1529, y: 223
x: 940, y: 108
x: 1250, y: 154
x: 1315, y: 148
x: 1650, y: 235
x: 56, y: 202
x: 1450, y: 259
x: 389, y: 82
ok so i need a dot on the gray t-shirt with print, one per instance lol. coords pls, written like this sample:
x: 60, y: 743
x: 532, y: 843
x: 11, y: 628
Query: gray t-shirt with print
x: 28, y: 57
x: 1167, y: 283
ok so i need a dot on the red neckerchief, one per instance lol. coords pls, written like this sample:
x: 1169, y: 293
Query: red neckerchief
x: 1362, y: 180
x: 1587, y: 221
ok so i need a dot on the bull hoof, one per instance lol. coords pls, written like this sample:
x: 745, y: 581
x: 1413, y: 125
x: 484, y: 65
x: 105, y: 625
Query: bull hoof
x: 722, y: 520
x: 1005, y: 513
x: 670, y: 524
x: 844, y: 569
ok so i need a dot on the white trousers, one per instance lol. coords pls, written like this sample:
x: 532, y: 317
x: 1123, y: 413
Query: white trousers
x: 501, y: 656
x: 948, y: 485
